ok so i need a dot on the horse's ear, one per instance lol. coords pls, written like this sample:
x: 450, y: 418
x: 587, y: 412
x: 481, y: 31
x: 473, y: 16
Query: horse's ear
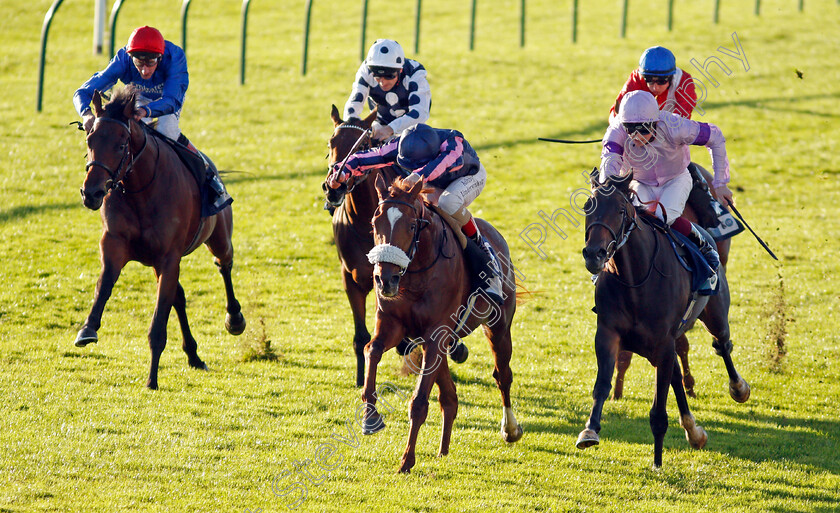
x: 416, y: 188
x: 97, y: 103
x: 368, y: 121
x: 336, y: 117
x: 130, y: 107
x: 381, y: 186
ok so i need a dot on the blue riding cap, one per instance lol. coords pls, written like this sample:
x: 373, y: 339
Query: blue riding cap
x: 658, y: 61
x: 418, y: 146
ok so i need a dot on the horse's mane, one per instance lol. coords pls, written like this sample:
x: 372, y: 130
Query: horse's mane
x: 401, y: 186
x: 126, y: 96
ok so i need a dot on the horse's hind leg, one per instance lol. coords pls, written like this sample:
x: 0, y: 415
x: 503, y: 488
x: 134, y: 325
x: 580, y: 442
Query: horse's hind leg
x: 500, y: 344
x: 448, y: 398
x: 221, y: 247
x: 716, y: 318
x: 114, y: 258
x: 682, y: 351
x: 621, y: 366
x: 189, y: 346
x: 695, y: 434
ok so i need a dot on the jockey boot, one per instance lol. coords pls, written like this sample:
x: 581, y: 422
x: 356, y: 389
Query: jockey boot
x: 493, y: 278
x: 222, y: 197
x: 709, y: 251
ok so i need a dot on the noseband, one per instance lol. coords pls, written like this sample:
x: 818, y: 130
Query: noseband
x: 115, y: 182
x: 628, y: 224
x: 394, y: 255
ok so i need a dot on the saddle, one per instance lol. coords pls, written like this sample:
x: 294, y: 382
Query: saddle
x: 688, y: 255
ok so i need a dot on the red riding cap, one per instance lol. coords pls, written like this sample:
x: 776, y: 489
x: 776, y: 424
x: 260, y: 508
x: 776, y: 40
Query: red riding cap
x: 146, y: 39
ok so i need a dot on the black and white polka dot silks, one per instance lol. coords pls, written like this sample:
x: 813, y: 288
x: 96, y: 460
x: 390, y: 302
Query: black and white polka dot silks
x: 405, y: 105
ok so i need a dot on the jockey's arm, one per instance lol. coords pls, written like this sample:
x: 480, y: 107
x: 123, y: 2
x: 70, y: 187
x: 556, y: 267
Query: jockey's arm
x: 710, y: 136
x: 612, y: 153
x: 174, y: 87
x: 101, y: 81
x: 419, y: 101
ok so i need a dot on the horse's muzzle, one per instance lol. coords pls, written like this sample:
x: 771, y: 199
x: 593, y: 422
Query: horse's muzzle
x: 594, y: 258
x: 92, y: 199
x: 387, y: 284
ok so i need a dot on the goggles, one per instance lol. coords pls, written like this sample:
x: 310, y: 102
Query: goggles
x: 650, y: 79
x: 387, y: 73
x: 641, y: 128
x: 145, y: 59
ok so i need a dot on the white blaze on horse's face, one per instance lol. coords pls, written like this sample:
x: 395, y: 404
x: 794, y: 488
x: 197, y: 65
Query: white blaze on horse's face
x: 394, y: 215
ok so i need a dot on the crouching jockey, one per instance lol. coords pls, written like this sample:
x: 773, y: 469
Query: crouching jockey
x: 652, y: 146
x: 445, y: 160
x: 157, y: 69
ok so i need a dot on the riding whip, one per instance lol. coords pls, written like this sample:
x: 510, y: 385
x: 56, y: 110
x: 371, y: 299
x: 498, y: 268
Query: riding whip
x: 751, y: 230
x: 566, y: 141
x: 352, y: 151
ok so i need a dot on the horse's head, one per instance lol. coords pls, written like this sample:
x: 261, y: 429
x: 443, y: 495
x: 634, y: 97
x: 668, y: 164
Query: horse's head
x: 396, y: 231
x: 610, y: 217
x: 109, y: 146
x: 346, y: 135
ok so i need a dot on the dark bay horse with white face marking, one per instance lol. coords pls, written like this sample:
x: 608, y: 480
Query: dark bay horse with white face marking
x: 422, y: 282
x: 723, y: 246
x: 151, y: 213
x: 355, y: 202
x: 641, y: 298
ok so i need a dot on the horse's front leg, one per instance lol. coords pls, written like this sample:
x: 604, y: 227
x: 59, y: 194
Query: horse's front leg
x: 448, y: 399
x: 606, y: 348
x: 189, y: 345
x: 386, y: 336
x: 114, y: 255
x: 682, y: 351
x: 434, y: 362
x: 356, y: 295
x: 167, y: 276
x: 658, y: 412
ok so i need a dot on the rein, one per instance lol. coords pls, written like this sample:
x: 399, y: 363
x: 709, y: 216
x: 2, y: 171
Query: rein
x: 119, y: 183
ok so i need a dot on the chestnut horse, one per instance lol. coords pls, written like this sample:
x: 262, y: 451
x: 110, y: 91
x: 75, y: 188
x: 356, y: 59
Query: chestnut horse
x: 624, y: 357
x: 422, y: 282
x: 151, y: 213
x: 641, y: 298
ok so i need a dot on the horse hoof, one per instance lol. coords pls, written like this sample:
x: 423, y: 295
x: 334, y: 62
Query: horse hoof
x: 512, y: 437
x: 198, y: 365
x: 587, y: 438
x: 740, y: 390
x: 235, y: 324
x: 460, y: 353
x: 372, y: 425
x: 86, y: 336
x: 697, y: 438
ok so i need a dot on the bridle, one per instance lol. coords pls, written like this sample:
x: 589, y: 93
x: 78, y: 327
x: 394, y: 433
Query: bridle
x: 628, y: 224
x: 394, y: 255
x: 114, y: 181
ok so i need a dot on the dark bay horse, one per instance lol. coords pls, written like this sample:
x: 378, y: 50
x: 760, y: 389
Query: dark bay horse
x: 355, y: 202
x: 641, y: 295
x: 151, y: 213
x: 422, y: 282
x: 624, y: 357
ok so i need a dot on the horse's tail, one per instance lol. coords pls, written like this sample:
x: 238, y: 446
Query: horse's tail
x: 523, y: 295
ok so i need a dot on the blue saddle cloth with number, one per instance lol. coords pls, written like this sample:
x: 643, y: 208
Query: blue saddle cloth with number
x: 694, y: 261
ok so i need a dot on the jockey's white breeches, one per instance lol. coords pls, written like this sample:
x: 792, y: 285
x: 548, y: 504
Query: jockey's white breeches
x: 166, y: 124
x: 672, y: 195
x: 463, y: 191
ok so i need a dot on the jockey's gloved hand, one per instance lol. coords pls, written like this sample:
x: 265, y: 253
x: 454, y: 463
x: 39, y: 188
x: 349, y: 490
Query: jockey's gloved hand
x: 724, y: 195
x: 87, y: 120
x: 382, y: 132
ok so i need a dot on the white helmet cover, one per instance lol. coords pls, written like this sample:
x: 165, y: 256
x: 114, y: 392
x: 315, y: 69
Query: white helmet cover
x: 638, y: 107
x: 385, y: 53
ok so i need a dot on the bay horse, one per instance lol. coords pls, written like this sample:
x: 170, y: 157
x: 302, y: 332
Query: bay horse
x: 694, y: 215
x: 422, y: 281
x: 151, y: 213
x: 355, y: 202
x: 641, y: 295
